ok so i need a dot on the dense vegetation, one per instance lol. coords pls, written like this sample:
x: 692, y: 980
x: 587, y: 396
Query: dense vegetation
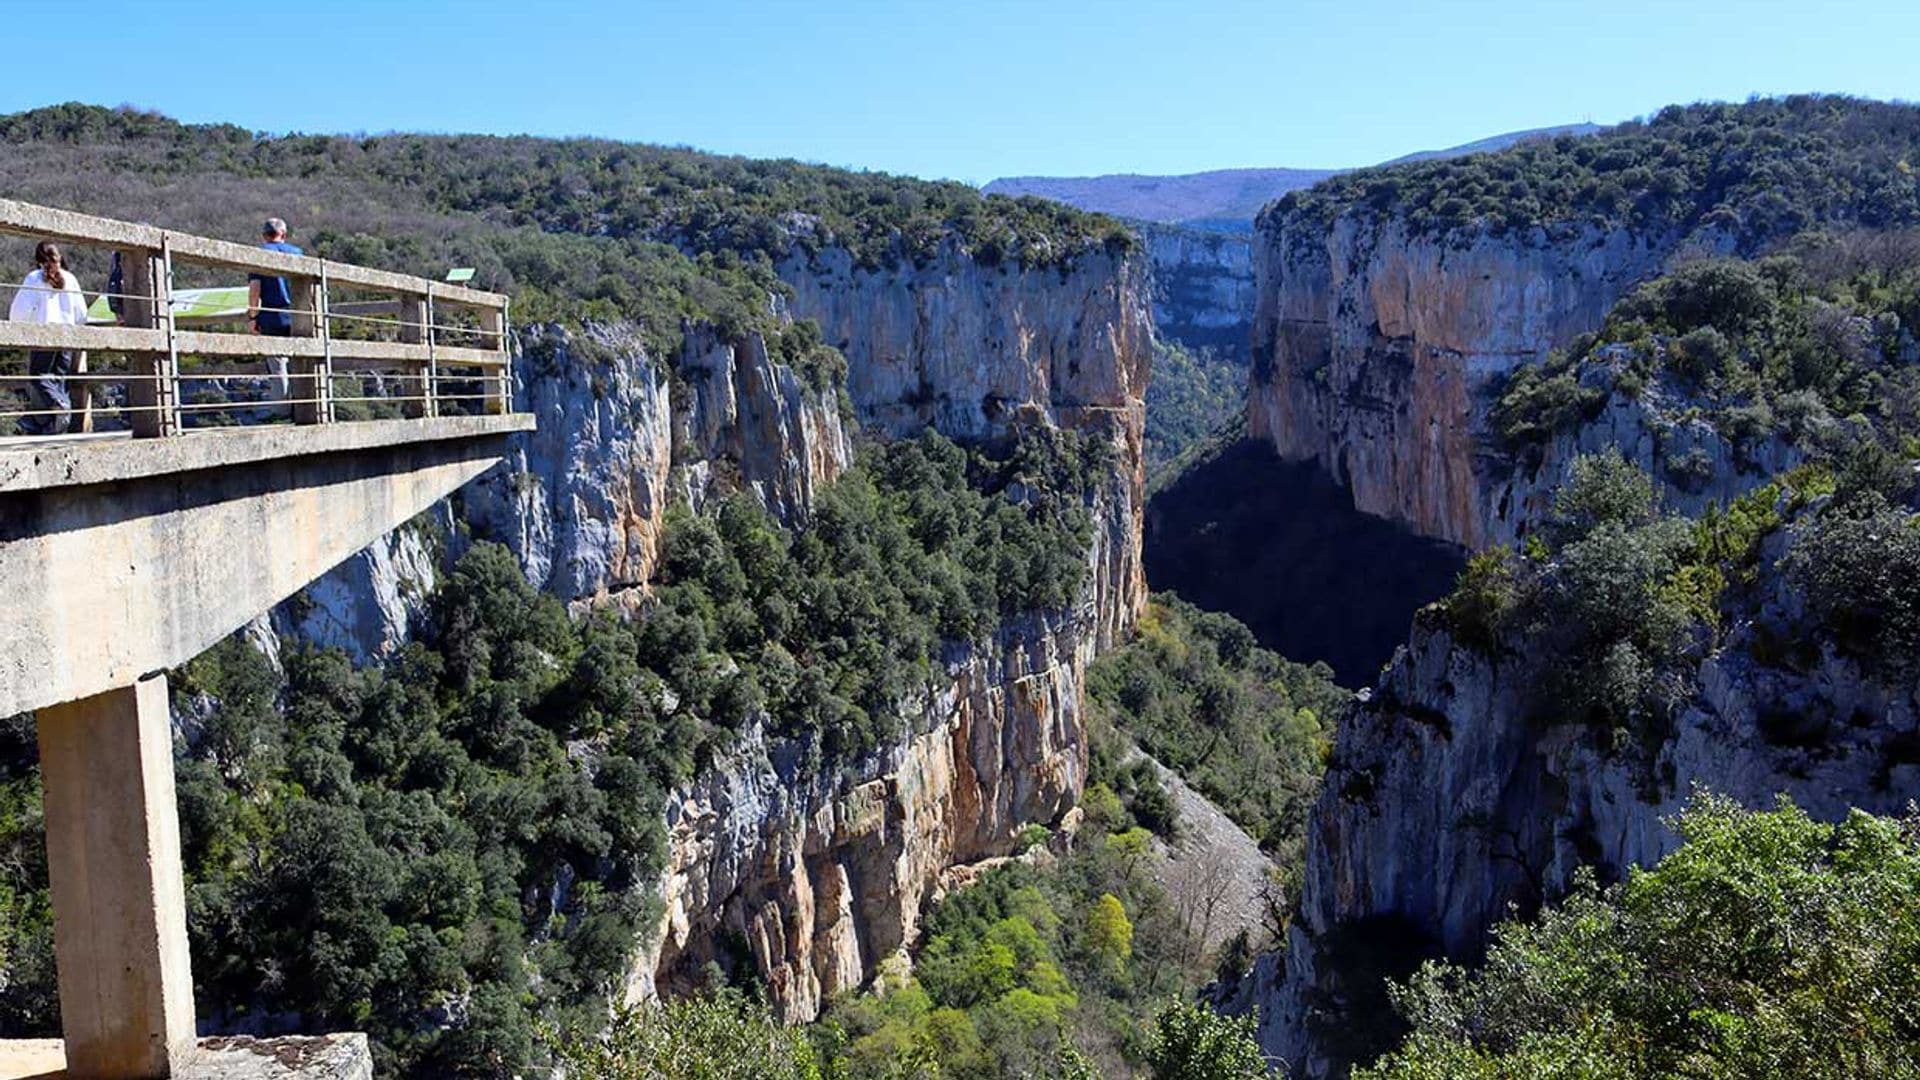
x: 826, y: 630
x: 1194, y: 393
x: 1246, y: 727
x: 1051, y: 965
x: 572, y: 228
x: 1814, y: 347
x: 448, y: 850
x: 1768, y: 944
x: 1764, y: 169
x: 727, y: 1036
x: 1614, y: 599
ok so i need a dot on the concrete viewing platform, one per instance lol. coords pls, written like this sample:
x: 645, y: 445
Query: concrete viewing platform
x: 126, y: 554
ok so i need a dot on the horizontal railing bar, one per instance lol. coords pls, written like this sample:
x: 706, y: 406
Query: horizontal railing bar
x: 26, y: 219
x: 53, y: 337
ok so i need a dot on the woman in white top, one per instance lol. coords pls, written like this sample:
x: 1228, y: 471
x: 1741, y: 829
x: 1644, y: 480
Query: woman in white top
x: 51, y: 294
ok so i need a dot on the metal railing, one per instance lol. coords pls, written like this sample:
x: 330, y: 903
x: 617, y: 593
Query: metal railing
x: 365, y: 343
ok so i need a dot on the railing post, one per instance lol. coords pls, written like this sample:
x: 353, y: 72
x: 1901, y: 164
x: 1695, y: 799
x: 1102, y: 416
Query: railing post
x: 167, y: 377
x: 413, y: 331
x: 499, y: 393
x: 141, y: 273
x: 432, y: 380
x: 310, y: 405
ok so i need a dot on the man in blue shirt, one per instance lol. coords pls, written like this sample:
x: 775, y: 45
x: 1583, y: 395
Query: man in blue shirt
x: 269, y: 302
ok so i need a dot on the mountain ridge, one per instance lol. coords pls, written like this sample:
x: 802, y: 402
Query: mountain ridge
x: 1221, y: 195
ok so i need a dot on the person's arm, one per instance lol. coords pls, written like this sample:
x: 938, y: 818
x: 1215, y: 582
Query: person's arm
x: 253, y: 305
x: 22, y: 308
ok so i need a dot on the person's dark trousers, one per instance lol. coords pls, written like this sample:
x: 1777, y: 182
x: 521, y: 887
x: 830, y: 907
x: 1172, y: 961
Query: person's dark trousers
x: 48, y: 390
x: 275, y: 368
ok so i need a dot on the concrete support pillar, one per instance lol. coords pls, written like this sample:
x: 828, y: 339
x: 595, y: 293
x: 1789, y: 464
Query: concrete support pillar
x: 119, y: 895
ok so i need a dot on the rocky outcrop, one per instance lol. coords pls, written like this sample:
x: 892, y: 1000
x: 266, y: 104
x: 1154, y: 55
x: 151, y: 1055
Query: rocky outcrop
x: 976, y: 351
x: 369, y: 604
x: 821, y: 876
x: 1377, y: 351
x: 1203, y: 288
x: 970, y: 350
x: 582, y: 499
x: 1660, y: 427
x: 1450, y: 799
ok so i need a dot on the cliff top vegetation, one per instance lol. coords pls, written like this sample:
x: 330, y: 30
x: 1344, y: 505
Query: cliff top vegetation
x: 573, y: 228
x: 1815, y: 345
x: 1756, y: 171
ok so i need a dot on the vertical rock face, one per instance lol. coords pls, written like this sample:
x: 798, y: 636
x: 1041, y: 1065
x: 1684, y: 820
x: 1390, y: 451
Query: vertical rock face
x: 1449, y: 799
x: 1203, y: 287
x: 975, y: 351
x: 1376, y: 352
x: 581, y: 500
x: 817, y: 878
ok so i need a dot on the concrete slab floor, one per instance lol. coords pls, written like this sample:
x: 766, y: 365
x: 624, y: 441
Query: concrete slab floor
x: 219, y: 1057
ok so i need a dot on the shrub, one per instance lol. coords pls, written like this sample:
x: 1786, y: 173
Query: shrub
x: 1601, y: 489
x: 1733, y: 957
x: 1483, y: 599
x: 722, y: 1037
x: 1860, y: 569
x: 1192, y: 1042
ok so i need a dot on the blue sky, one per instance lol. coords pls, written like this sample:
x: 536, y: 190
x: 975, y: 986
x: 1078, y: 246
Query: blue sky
x: 967, y: 90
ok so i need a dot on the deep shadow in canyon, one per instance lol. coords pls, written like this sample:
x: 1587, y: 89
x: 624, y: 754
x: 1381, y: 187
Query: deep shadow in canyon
x: 1279, y: 546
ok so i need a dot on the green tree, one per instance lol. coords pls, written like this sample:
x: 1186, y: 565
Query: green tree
x: 1192, y: 1042
x: 1768, y: 944
x: 1109, y: 933
x: 722, y: 1037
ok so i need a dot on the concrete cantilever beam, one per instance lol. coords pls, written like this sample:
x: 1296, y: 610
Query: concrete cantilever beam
x: 120, y: 559
x: 127, y: 557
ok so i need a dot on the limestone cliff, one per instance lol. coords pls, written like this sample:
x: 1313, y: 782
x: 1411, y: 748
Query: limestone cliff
x: 974, y: 350
x: 1203, y: 287
x: 820, y: 877
x: 1377, y: 351
x: 1450, y: 799
x: 1662, y: 427
x: 581, y: 500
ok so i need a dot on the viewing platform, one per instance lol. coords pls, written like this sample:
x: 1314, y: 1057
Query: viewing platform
x: 187, y: 501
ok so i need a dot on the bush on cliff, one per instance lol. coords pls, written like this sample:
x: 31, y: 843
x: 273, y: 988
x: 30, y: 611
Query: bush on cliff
x: 1815, y: 346
x: 725, y: 1036
x: 923, y: 546
x: 1768, y: 944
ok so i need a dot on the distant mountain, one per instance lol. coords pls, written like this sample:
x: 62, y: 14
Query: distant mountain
x: 1223, y: 193
x: 1498, y: 142
x: 1224, y: 199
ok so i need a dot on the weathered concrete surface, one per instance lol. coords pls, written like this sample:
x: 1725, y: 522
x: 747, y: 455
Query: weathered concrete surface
x: 119, y: 896
x: 290, y: 1057
x: 129, y: 557
x: 31, y: 465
